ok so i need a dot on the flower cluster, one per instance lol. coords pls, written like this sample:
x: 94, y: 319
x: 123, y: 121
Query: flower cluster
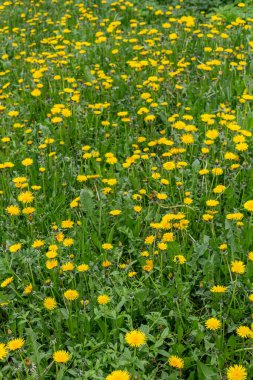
x: 126, y: 190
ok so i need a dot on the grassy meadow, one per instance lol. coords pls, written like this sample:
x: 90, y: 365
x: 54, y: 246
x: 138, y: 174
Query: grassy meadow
x: 126, y: 191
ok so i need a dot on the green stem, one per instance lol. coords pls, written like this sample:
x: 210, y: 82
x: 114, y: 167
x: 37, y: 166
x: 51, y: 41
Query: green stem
x: 105, y: 324
x: 233, y: 296
x: 179, y: 313
x: 134, y: 360
x: 244, y: 349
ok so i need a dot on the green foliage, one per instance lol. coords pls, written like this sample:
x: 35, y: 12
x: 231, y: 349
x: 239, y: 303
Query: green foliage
x: 230, y: 12
x: 194, y: 6
x: 126, y: 179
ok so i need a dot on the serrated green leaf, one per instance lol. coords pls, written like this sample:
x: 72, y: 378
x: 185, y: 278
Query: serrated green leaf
x: 86, y: 200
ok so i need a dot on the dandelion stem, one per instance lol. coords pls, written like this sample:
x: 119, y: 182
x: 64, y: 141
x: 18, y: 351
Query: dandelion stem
x: 134, y: 360
x: 233, y: 295
x: 179, y: 313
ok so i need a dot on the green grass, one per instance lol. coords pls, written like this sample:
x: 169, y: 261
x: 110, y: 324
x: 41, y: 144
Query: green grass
x: 125, y: 88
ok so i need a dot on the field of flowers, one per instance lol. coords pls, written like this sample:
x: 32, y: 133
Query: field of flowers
x: 126, y: 191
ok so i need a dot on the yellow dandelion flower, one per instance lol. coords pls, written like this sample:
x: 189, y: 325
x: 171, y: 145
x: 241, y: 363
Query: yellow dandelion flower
x: 3, y: 351
x: 13, y: 210
x: 180, y: 259
x: 135, y: 338
x: 60, y: 237
x: 236, y: 372
x: 103, y: 299
x: 218, y: 289
x: 237, y: 267
x: 219, y: 189
x: 170, y: 165
x: 118, y: 375
x: 15, y: 344
x: 212, y: 134
x: 149, y: 239
x: 213, y: 324
x: 149, y: 266
x: 187, y: 138
x: 217, y: 171
x: 248, y: 206
x: 203, y: 171
x: 71, y: 295
x: 168, y: 237
x: 26, y: 197
x: 38, y: 243
x: 250, y: 256
x: 176, y: 362
x: 68, y: 266
x: 61, y: 356
x: 162, y: 246
x: 15, y: 247
x: 50, y: 264
x: 244, y: 331
x: 115, y: 212
x: 106, y: 264
x: 6, y: 282
x: 212, y: 203
x: 28, y: 289
x: 67, y: 224
x: 83, y: 268
x: 28, y: 210
x: 188, y: 201
x: 56, y: 119
x: 107, y: 246
x: 27, y: 162
x: 50, y: 303
x: 68, y: 242
x: 235, y: 216
x: 36, y: 92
